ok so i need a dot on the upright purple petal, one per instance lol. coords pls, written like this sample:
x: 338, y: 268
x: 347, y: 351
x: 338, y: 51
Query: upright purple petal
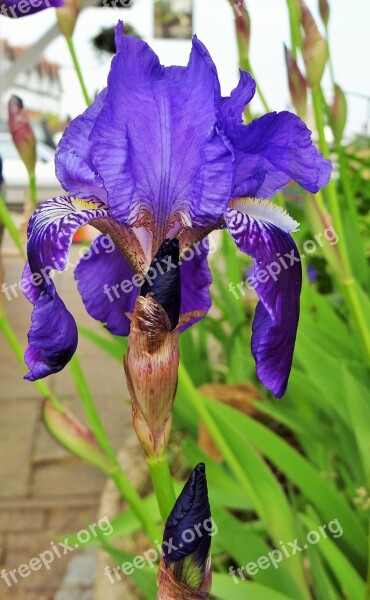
x: 52, y: 338
x: 262, y: 230
x: 73, y: 161
x: 167, y: 162
x: 233, y: 107
x: 271, y: 151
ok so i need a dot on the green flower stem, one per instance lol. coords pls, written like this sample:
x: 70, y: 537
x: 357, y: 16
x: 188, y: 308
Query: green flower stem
x: 17, y: 348
x: 8, y: 222
x: 135, y: 502
x: 295, y: 32
x: 163, y: 485
x: 91, y: 412
x: 32, y: 188
x: 120, y: 479
x: 117, y: 474
x: 78, y: 70
x: 347, y: 280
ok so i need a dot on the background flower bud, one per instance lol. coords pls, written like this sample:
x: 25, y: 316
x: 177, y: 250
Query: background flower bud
x: 315, y: 49
x: 22, y: 133
x: 74, y: 436
x: 297, y: 84
x: 67, y: 16
x: 338, y: 111
x: 324, y: 11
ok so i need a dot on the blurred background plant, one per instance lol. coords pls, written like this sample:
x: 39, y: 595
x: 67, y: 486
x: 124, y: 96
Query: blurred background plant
x: 276, y: 469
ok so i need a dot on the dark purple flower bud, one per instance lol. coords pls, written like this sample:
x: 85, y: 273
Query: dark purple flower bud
x: 163, y: 280
x: 187, y: 536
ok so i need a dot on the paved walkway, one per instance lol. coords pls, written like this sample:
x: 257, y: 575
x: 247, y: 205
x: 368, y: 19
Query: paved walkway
x: 44, y: 491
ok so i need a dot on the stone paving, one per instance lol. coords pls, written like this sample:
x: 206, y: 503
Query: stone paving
x: 44, y: 491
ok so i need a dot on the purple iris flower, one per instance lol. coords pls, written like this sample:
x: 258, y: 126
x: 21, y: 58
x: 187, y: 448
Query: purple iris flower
x: 21, y: 8
x: 161, y: 155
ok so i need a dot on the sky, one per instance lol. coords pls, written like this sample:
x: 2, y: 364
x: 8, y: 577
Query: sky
x: 213, y: 23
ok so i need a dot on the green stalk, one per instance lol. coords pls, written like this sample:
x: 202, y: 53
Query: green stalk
x: 8, y: 222
x: 163, y: 485
x: 295, y: 33
x: 91, y: 412
x: 120, y: 479
x: 32, y: 188
x: 117, y: 474
x: 194, y: 397
x: 78, y: 70
x: 135, y: 502
x: 347, y: 280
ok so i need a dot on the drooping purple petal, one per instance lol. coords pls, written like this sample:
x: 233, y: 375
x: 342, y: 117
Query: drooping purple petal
x: 271, y: 151
x: 17, y: 8
x: 53, y: 335
x: 52, y: 339
x: 196, y: 280
x: 188, y: 528
x: 73, y: 162
x: 107, y: 285
x: 167, y: 160
x: 262, y: 230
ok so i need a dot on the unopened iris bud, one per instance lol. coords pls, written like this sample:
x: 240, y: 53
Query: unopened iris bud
x: 338, y: 111
x: 67, y: 17
x: 163, y: 280
x: 297, y: 84
x: 184, y: 571
x: 324, y: 11
x: 315, y: 49
x: 22, y: 133
x: 74, y: 436
x: 152, y: 359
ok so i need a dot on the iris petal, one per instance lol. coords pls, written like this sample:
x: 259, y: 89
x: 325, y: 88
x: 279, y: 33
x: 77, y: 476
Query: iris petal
x: 158, y: 127
x: 105, y: 282
x: 109, y: 289
x: 271, y: 151
x: 233, y: 106
x: 196, y: 280
x: 73, y: 162
x: 262, y: 230
x: 52, y: 338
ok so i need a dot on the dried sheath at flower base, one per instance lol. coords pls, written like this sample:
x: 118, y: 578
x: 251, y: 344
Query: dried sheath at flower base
x: 152, y: 358
x: 151, y: 365
x: 185, y: 568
